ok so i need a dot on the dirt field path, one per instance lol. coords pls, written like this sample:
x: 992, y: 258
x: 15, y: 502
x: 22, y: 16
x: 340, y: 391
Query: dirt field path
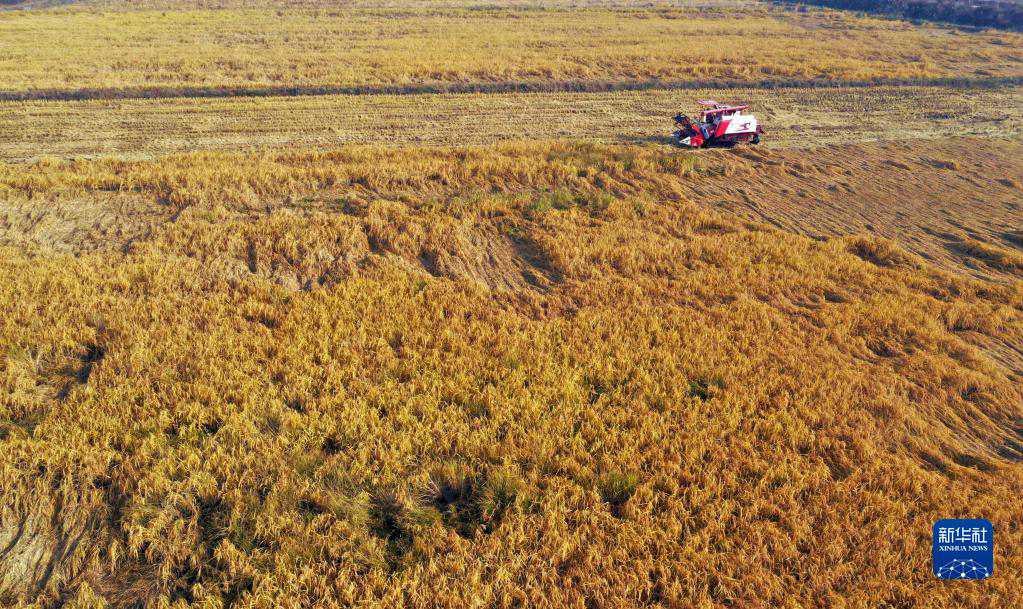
x: 793, y: 117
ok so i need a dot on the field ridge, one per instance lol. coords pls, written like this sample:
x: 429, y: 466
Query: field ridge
x: 519, y: 86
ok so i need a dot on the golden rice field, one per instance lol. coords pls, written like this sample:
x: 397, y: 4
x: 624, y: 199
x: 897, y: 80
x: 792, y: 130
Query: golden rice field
x: 164, y: 50
x: 519, y: 375
x: 267, y: 345
x: 795, y: 117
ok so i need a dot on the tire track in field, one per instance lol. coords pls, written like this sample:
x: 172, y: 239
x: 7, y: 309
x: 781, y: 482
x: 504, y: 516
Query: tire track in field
x: 447, y: 88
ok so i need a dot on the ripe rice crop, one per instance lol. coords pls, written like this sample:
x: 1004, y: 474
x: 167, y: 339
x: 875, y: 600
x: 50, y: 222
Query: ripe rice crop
x: 551, y: 362
x: 518, y: 375
x: 152, y: 50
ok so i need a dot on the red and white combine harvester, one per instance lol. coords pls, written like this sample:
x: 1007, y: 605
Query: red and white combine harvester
x: 720, y: 125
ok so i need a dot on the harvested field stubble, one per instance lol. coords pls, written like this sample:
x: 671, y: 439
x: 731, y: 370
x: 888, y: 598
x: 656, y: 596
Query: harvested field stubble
x: 528, y: 373
x: 801, y: 117
x: 951, y: 201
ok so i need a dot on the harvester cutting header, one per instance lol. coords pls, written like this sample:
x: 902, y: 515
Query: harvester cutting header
x: 719, y: 125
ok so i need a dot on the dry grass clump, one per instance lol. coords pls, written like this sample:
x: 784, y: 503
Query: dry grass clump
x: 879, y: 251
x: 171, y: 52
x: 992, y: 255
x: 679, y: 412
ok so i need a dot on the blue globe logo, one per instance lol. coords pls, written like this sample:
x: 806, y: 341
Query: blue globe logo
x: 962, y: 569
